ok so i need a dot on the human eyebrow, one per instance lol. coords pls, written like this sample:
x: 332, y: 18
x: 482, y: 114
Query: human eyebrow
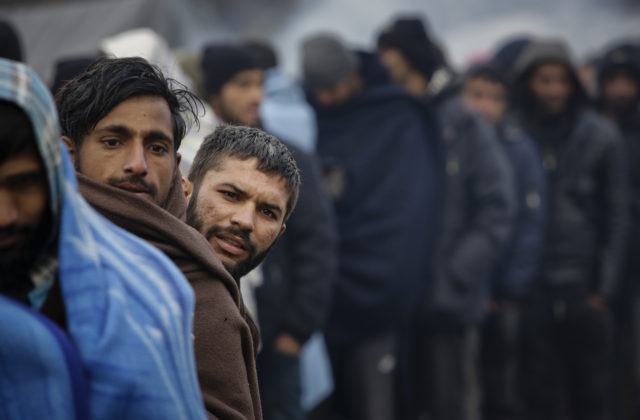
x: 23, y: 179
x: 115, y: 129
x: 272, y: 207
x: 234, y: 187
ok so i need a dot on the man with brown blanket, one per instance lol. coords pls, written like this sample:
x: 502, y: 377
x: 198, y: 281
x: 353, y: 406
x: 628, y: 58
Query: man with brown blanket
x: 121, y: 121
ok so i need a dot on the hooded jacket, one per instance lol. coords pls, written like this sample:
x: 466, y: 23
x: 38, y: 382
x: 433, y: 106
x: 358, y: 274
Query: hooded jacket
x: 385, y: 153
x: 129, y: 310
x: 586, y: 183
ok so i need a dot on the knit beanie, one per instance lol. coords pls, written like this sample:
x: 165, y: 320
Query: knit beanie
x: 220, y: 63
x: 508, y: 53
x: 10, y: 45
x: 326, y: 61
x: 409, y: 35
x: 624, y: 56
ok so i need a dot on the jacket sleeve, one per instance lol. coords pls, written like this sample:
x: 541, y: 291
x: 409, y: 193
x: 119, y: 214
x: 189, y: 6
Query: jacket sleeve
x: 613, y: 173
x: 490, y: 185
x: 310, y: 248
x: 525, y: 245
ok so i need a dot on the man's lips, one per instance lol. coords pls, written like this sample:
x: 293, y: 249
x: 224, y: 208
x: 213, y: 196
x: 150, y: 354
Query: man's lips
x: 9, y: 240
x: 232, y: 244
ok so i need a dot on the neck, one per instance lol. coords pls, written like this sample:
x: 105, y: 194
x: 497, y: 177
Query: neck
x: 415, y: 84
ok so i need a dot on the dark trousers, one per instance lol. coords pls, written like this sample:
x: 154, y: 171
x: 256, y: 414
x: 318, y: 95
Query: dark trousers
x: 627, y: 363
x: 499, y: 370
x: 566, y: 360
x: 364, y: 378
x: 447, y: 383
x: 280, y: 386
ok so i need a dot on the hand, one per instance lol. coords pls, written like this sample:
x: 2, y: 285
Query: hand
x: 597, y: 302
x: 287, y: 344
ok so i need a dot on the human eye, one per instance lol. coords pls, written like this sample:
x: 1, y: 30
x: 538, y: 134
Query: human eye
x: 229, y: 194
x: 270, y: 213
x: 111, y: 143
x: 159, y: 149
x: 24, y: 181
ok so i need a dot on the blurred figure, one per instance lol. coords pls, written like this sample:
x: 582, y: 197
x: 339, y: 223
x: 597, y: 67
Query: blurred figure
x: 86, y: 307
x: 507, y: 53
x: 485, y: 90
x: 10, y: 47
x: 619, y: 101
x: 567, y: 323
x: 122, y: 121
x: 477, y: 216
x: 284, y: 110
x: 375, y: 143
x: 300, y: 270
x: 68, y: 68
x: 233, y: 83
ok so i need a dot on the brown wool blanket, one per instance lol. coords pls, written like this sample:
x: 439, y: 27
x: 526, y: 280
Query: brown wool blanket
x: 225, y: 335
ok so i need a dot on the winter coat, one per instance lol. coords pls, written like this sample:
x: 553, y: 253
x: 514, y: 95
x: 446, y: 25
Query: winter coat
x: 519, y: 264
x: 300, y: 269
x: 477, y: 217
x: 383, y: 150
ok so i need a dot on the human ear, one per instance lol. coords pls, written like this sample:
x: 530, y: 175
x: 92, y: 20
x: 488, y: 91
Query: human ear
x: 187, y: 188
x: 71, y: 147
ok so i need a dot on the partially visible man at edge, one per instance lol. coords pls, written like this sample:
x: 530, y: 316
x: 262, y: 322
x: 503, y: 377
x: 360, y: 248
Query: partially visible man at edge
x: 121, y: 120
x: 66, y: 274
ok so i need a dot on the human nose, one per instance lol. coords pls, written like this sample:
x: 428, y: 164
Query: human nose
x: 136, y: 162
x: 8, y: 210
x: 243, y: 217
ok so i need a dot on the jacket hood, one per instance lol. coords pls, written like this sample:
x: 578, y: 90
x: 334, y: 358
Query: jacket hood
x: 543, y: 52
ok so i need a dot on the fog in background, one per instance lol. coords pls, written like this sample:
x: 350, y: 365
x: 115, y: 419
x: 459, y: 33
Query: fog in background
x: 467, y: 28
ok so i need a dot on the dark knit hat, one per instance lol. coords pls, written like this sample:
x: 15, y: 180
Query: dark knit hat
x: 508, y: 53
x: 10, y: 45
x: 625, y: 56
x: 409, y: 35
x: 326, y: 61
x: 68, y: 68
x: 220, y: 63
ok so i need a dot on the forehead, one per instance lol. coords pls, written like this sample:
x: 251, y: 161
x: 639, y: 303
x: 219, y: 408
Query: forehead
x: 247, y: 75
x: 27, y: 161
x: 245, y: 175
x: 483, y: 83
x: 140, y: 113
x: 550, y: 68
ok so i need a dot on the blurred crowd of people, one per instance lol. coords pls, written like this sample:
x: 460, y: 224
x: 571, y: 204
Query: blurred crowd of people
x: 463, y: 244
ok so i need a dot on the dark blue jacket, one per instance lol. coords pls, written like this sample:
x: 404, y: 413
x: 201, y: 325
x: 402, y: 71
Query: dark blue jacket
x: 520, y: 261
x: 382, y: 149
x: 477, y: 216
x: 300, y: 269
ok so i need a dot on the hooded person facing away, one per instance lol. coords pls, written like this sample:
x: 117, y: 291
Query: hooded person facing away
x: 95, y: 323
x: 122, y: 121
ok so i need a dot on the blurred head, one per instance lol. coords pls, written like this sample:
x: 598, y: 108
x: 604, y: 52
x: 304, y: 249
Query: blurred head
x: 233, y: 83
x: 330, y: 70
x: 121, y: 120
x: 24, y: 192
x: 242, y: 188
x: 547, y: 83
x: 484, y: 91
x: 405, y: 48
x: 10, y: 47
x: 619, y: 81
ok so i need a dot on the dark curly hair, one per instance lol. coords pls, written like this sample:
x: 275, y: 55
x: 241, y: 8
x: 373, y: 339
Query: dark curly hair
x: 107, y: 82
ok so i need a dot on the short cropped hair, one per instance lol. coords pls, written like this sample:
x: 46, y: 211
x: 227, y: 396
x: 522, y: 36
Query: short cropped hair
x: 274, y: 158
x: 107, y: 82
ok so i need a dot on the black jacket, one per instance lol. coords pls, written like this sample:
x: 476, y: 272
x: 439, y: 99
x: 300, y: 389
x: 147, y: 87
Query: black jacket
x: 380, y: 143
x: 586, y: 185
x: 300, y: 269
x: 477, y: 216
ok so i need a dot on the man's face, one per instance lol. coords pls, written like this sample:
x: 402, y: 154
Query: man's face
x: 550, y: 84
x: 396, y: 64
x: 620, y: 92
x: 338, y: 94
x: 24, y: 197
x: 240, y: 210
x: 239, y: 98
x: 132, y: 148
x: 486, y: 97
